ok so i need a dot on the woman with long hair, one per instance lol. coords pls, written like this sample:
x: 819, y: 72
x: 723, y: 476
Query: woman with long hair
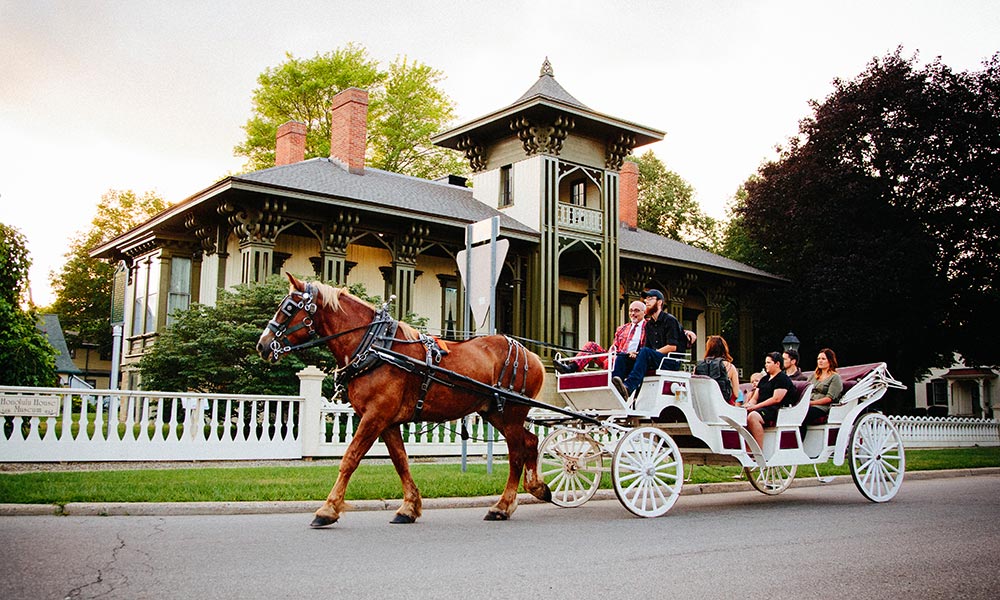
x: 717, y: 350
x: 827, y: 388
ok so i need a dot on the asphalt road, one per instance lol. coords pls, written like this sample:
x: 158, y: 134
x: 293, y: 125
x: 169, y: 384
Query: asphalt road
x: 939, y: 538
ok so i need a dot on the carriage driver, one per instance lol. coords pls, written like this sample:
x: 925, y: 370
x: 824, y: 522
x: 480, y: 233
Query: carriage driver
x: 664, y: 334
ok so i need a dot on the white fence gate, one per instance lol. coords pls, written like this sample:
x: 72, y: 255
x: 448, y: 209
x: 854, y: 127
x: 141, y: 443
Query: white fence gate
x: 62, y: 424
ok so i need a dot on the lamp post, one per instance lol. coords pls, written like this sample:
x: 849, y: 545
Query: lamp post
x: 790, y: 342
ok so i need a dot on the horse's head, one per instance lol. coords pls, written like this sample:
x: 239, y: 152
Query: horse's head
x: 292, y: 324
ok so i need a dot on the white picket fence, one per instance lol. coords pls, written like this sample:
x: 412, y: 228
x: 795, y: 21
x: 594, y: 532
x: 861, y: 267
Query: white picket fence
x: 947, y: 432
x: 44, y: 425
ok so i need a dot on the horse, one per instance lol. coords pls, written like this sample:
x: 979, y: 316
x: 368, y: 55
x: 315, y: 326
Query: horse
x: 392, y: 389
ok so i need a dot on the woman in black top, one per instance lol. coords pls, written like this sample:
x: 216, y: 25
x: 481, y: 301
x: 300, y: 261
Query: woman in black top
x: 764, y: 401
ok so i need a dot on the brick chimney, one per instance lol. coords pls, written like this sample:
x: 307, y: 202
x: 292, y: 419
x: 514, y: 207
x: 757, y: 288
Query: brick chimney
x: 349, y: 129
x: 628, y: 194
x: 290, y: 146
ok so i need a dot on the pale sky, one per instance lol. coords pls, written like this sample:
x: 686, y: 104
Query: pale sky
x: 151, y: 95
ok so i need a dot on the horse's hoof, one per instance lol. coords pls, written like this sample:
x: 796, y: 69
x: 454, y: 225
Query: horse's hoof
x: 401, y: 519
x: 496, y: 516
x: 547, y: 495
x: 322, y: 522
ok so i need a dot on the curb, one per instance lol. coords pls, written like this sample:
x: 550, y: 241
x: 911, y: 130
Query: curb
x: 173, y: 509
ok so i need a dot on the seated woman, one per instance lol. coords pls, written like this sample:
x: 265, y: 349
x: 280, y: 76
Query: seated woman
x: 827, y: 388
x: 717, y: 351
x: 763, y: 403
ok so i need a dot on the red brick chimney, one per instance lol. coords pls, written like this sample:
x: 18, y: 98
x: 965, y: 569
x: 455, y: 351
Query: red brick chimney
x: 290, y: 146
x: 628, y: 194
x: 349, y: 129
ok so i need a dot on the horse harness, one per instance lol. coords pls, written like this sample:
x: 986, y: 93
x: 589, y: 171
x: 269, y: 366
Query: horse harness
x: 375, y: 349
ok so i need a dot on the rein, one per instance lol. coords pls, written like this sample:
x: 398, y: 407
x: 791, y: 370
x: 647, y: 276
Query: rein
x: 372, y: 351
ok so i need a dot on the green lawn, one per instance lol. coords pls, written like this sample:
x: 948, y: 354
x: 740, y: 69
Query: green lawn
x: 313, y: 482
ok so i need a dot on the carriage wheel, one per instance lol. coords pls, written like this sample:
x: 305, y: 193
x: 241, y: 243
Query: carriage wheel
x: 878, y: 460
x: 647, y: 471
x: 770, y: 480
x: 571, y: 464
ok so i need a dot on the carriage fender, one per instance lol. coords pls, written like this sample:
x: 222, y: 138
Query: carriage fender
x: 755, y: 450
x: 847, y: 428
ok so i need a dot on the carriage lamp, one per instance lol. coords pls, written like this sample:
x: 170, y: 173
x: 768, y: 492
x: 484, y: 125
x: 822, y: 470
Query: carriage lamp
x: 790, y: 342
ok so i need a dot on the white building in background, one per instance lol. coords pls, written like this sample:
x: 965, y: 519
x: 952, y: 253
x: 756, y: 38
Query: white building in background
x: 959, y: 391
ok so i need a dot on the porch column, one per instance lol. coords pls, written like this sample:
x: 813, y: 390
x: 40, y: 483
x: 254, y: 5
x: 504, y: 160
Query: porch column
x: 548, y: 259
x: 609, y: 287
x: 337, y: 235
x: 256, y: 261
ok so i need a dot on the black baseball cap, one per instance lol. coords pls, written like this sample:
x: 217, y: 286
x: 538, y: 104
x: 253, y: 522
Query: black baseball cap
x: 654, y: 293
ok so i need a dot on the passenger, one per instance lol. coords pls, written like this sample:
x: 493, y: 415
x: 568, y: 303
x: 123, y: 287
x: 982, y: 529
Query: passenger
x: 664, y: 334
x: 827, y: 388
x: 763, y: 403
x: 717, y: 350
x: 629, y: 338
x: 790, y: 362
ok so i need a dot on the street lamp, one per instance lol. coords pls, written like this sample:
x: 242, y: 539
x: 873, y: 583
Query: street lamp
x: 790, y: 342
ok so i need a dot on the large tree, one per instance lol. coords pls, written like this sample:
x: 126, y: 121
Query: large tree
x: 26, y: 357
x: 405, y: 108
x: 882, y: 213
x: 83, y: 284
x: 667, y: 205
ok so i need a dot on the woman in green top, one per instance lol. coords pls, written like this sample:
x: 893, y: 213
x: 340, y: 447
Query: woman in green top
x: 827, y: 388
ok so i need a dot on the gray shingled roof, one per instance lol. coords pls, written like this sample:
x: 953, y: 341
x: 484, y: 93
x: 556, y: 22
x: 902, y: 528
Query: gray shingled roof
x: 548, y: 87
x: 382, y: 190
x: 49, y: 325
x: 660, y: 249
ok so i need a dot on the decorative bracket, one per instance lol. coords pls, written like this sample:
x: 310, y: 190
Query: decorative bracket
x: 546, y: 138
x: 617, y: 149
x: 475, y: 153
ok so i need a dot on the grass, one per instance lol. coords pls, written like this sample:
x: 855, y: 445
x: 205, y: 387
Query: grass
x: 313, y: 482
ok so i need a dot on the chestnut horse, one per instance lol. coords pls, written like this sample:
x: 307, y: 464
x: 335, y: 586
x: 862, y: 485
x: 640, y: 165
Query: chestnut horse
x: 387, y: 395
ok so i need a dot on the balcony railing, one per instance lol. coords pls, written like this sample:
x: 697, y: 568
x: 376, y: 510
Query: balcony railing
x: 579, y: 218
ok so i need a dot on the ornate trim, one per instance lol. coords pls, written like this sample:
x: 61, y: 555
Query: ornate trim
x: 260, y: 225
x: 339, y: 232
x: 475, y: 153
x: 545, y: 138
x: 204, y: 232
x: 618, y: 149
x: 408, y: 244
x: 680, y: 286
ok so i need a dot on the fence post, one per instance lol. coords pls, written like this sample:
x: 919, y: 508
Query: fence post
x: 310, y: 420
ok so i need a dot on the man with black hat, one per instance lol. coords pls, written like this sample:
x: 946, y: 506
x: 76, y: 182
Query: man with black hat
x: 664, y: 334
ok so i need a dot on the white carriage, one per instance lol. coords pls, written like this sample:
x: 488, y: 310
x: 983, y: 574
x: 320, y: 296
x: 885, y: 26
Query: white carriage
x: 676, y: 418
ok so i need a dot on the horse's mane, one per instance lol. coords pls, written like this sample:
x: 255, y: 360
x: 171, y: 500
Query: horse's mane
x: 330, y: 297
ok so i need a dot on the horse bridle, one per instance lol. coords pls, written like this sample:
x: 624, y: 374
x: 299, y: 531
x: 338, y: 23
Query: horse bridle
x: 297, y: 301
x: 294, y: 303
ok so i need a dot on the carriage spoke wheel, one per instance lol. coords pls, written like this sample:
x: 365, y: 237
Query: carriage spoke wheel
x: 770, y: 480
x: 571, y: 464
x: 647, y: 472
x: 878, y: 461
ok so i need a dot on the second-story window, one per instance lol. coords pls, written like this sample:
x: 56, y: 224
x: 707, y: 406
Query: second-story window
x: 506, y: 186
x: 578, y: 193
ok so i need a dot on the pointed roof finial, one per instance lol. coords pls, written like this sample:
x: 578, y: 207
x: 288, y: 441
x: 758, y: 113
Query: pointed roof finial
x: 546, y: 69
